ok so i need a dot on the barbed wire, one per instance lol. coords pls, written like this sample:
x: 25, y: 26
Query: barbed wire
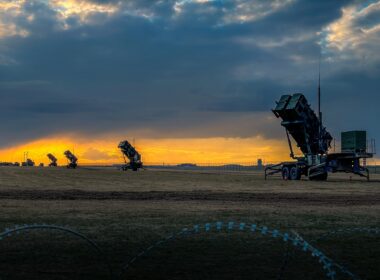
x: 26, y: 228
x: 293, y: 240
x: 343, y: 269
x: 365, y: 230
x: 298, y: 242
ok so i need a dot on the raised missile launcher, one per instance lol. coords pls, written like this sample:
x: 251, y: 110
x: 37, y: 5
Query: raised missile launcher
x: 72, y: 159
x: 313, y: 140
x: 133, y: 156
x: 53, y: 160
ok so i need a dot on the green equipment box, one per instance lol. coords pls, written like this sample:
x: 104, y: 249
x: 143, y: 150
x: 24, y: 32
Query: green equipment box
x: 354, y: 141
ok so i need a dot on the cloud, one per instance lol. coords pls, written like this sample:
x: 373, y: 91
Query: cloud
x: 95, y: 154
x: 68, y: 14
x: 5, y: 60
x: 8, y: 11
x: 248, y: 11
x: 230, y: 12
x: 356, y: 34
x: 140, y: 68
x: 18, y: 16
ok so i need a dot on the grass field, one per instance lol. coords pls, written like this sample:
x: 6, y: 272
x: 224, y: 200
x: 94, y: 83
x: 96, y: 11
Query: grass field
x: 125, y: 212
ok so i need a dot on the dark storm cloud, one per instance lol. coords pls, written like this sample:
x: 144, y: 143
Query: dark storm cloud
x: 194, y: 72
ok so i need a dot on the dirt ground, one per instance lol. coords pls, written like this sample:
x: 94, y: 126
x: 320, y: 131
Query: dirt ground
x: 125, y: 212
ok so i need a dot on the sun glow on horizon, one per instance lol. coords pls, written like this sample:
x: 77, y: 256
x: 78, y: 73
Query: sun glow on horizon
x: 216, y: 150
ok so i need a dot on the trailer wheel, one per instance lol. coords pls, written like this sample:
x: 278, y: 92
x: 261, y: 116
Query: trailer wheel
x: 295, y: 173
x: 285, y: 173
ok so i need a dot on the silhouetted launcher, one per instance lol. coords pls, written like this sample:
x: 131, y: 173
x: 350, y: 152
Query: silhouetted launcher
x: 53, y: 160
x: 72, y: 159
x: 28, y: 162
x: 133, y: 156
x: 301, y: 122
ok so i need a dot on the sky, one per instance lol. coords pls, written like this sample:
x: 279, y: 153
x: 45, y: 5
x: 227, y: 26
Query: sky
x: 185, y: 80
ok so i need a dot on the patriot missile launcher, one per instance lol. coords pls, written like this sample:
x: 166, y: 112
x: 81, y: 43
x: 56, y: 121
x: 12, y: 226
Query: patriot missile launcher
x: 306, y: 128
x: 53, y: 160
x: 72, y: 159
x: 133, y: 156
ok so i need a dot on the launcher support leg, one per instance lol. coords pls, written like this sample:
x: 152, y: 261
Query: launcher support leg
x: 290, y: 144
x: 273, y: 170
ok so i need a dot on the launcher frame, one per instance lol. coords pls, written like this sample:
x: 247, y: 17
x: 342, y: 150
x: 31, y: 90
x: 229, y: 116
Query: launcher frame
x: 312, y: 138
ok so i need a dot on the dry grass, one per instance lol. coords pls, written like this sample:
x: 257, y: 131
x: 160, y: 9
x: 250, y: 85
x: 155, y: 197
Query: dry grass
x: 125, y: 212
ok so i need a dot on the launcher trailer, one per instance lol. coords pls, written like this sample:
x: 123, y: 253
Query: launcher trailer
x: 28, y: 162
x: 303, y: 125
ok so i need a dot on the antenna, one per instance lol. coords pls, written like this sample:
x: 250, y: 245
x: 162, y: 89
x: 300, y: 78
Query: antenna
x: 319, y: 99
x: 319, y: 88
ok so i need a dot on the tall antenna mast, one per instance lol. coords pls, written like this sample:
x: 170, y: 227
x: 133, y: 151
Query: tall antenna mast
x: 319, y: 100
x: 319, y: 90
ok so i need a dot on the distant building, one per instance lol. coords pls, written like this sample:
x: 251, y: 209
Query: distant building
x: 259, y: 163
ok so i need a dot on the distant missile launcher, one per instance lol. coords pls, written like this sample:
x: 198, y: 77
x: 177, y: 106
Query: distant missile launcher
x: 72, y: 159
x: 53, y: 160
x: 133, y: 156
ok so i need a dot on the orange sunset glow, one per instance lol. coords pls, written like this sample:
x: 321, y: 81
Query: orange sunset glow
x: 154, y: 151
